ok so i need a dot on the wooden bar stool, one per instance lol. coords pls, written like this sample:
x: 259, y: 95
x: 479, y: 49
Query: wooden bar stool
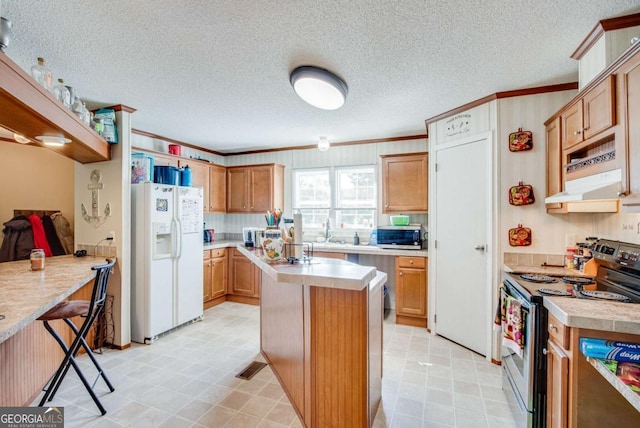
x: 89, y: 310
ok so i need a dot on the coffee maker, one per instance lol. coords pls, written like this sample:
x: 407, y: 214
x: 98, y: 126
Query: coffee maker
x: 249, y: 236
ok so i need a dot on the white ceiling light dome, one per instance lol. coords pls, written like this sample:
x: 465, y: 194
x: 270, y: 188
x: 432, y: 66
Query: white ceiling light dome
x: 323, y: 144
x: 319, y: 87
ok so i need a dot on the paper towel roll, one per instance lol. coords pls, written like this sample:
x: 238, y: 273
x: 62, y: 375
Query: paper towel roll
x: 297, y: 234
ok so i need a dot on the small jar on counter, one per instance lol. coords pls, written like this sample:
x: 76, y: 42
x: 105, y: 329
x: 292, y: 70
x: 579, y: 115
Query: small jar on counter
x: 569, y: 258
x: 37, y: 259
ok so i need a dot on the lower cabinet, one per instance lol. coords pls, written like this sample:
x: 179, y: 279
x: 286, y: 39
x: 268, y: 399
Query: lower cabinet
x: 577, y: 394
x: 244, y: 279
x: 330, y: 255
x: 215, y: 277
x: 411, y: 291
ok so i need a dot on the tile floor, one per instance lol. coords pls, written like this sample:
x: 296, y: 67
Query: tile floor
x: 187, y: 379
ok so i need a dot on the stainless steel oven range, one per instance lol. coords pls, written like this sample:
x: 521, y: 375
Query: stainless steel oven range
x: 525, y: 378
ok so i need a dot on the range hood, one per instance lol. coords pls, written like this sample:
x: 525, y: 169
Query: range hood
x: 580, y: 193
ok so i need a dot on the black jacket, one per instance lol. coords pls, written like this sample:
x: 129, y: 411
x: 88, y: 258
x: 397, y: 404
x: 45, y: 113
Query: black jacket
x: 18, y: 239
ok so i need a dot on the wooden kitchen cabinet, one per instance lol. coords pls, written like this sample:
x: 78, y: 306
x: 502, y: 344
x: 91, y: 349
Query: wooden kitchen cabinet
x: 577, y: 395
x: 591, y: 114
x: 244, y: 279
x: 163, y: 160
x: 215, y: 277
x: 217, y: 189
x: 255, y: 188
x: 330, y: 255
x: 629, y: 85
x: 557, y: 374
x: 554, y: 164
x: 411, y: 291
x: 404, y: 183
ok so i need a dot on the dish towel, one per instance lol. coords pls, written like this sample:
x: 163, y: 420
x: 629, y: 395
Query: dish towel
x: 512, y: 331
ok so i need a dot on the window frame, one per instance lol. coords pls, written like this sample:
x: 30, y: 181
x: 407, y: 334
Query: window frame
x: 334, y: 207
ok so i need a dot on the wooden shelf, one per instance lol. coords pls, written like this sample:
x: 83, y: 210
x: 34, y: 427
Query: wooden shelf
x: 632, y: 397
x: 29, y: 110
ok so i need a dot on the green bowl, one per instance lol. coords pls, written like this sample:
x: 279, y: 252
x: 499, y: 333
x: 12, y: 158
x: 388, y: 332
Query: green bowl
x: 399, y: 220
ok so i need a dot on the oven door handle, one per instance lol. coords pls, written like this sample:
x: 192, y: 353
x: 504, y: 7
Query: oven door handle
x: 509, y: 290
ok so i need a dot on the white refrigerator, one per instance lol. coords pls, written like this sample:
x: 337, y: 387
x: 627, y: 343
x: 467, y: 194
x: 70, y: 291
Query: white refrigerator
x: 166, y: 283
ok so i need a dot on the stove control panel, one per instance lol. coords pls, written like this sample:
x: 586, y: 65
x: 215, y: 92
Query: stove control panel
x: 620, y: 253
x: 628, y: 256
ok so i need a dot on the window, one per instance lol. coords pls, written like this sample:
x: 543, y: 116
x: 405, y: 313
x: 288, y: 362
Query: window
x: 345, y: 195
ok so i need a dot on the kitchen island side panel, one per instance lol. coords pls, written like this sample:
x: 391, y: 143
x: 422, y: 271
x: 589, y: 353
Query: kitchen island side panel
x: 282, y: 335
x: 339, y: 357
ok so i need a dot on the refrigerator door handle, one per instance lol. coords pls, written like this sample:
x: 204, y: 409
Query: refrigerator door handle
x: 179, y: 238
x: 174, y: 238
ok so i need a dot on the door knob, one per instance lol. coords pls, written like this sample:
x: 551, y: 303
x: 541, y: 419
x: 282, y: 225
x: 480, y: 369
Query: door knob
x: 479, y: 247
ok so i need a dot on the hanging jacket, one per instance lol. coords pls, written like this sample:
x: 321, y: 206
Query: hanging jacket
x: 18, y: 240
x: 63, y: 230
x: 52, y: 237
x: 39, y: 237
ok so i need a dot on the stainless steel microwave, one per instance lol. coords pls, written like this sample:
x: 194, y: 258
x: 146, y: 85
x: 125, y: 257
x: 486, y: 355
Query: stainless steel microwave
x: 400, y: 237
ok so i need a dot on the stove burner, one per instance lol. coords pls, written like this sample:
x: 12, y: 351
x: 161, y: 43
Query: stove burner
x: 577, y: 280
x: 552, y: 292
x: 534, y: 277
x: 605, y: 295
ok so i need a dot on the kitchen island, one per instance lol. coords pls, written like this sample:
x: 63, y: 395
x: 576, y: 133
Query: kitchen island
x: 321, y: 332
x: 29, y: 354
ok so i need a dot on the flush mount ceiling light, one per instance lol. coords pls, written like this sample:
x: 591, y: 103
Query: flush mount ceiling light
x: 319, y: 87
x: 50, y: 140
x: 21, y: 139
x: 323, y: 144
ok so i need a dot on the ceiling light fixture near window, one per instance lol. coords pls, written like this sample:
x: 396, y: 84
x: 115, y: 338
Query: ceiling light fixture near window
x: 319, y: 87
x: 51, y: 140
x: 21, y: 139
x: 323, y: 144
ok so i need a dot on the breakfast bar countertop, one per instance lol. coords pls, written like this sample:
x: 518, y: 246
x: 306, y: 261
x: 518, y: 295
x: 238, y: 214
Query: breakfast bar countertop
x: 321, y: 272
x: 27, y: 294
x: 595, y: 314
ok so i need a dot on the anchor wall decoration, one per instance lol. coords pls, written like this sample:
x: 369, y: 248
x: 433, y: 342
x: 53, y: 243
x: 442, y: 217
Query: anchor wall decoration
x: 95, y: 186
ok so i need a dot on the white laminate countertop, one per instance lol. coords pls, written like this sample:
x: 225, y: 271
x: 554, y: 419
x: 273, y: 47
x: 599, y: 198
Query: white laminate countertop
x: 335, y: 248
x: 321, y: 272
x: 595, y: 314
x: 25, y: 294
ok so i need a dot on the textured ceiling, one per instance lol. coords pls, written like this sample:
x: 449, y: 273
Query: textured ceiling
x: 216, y: 73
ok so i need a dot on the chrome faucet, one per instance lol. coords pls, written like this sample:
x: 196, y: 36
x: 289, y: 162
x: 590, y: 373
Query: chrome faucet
x: 327, y: 234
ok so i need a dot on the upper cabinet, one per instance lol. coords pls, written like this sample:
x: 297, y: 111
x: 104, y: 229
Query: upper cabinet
x: 554, y: 165
x: 255, y: 188
x: 29, y: 110
x: 629, y: 88
x: 590, y: 115
x: 405, y: 180
x: 217, y: 189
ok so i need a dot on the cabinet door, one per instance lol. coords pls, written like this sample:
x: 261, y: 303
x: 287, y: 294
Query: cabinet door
x: 200, y: 178
x: 237, y: 190
x: 631, y: 83
x: 219, y: 276
x: 207, y: 293
x: 554, y: 164
x: 598, y: 105
x: 261, y: 189
x: 217, y: 189
x: 405, y: 183
x: 242, y: 275
x: 161, y: 160
x: 557, y: 386
x: 411, y: 292
x: 572, y: 125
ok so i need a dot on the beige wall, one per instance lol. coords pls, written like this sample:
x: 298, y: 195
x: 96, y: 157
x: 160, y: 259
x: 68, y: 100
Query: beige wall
x: 35, y: 178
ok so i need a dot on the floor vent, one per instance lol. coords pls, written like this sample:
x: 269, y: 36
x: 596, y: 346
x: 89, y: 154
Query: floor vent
x: 251, y: 370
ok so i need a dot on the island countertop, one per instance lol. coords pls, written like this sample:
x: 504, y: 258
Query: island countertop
x: 27, y: 294
x: 320, y: 272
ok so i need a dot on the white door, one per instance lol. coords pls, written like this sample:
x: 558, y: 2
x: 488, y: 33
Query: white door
x: 462, y: 266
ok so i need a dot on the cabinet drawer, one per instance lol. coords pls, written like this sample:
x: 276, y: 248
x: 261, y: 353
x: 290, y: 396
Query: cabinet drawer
x: 206, y: 254
x: 220, y: 252
x: 412, y: 262
x: 558, y: 332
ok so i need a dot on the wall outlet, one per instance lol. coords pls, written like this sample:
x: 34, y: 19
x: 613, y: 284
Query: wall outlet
x: 111, y: 235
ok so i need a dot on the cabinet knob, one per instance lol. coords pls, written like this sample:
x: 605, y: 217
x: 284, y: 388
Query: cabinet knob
x: 544, y: 351
x: 585, y: 129
x: 621, y: 194
x: 386, y: 206
x: 411, y: 261
x: 578, y: 132
x: 400, y: 274
x: 553, y: 327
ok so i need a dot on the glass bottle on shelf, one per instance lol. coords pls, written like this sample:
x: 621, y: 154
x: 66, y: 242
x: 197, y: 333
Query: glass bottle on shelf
x: 42, y: 74
x: 62, y: 93
x: 77, y: 108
